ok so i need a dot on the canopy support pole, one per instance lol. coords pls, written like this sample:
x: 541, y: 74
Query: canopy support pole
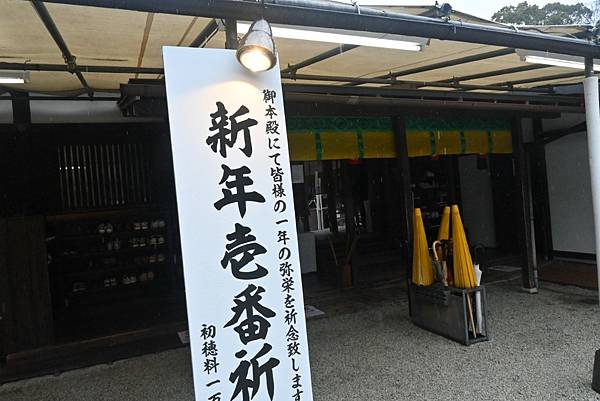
x: 231, y: 35
x: 592, y: 118
x: 406, y: 203
x: 525, y: 233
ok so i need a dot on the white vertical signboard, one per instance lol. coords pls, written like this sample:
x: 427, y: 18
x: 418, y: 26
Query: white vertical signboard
x: 238, y: 231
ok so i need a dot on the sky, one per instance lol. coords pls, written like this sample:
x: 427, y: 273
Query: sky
x: 479, y: 8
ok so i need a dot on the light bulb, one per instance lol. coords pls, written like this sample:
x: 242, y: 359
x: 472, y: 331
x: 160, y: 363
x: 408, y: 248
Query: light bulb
x: 255, y: 60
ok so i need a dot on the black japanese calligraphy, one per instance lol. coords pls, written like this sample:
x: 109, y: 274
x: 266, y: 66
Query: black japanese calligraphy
x: 285, y: 253
x: 285, y: 269
x: 243, y: 243
x: 209, y: 348
x: 210, y: 365
x: 290, y: 316
x: 208, y: 331
x: 279, y: 206
x: 275, y: 158
x: 215, y: 397
x: 272, y: 128
x: 227, y: 130
x: 269, y: 95
x: 243, y: 383
x: 292, y: 334
x: 255, y: 325
x: 288, y: 284
x: 271, y: 112
x: 239, y: 182
x: 282, y: 236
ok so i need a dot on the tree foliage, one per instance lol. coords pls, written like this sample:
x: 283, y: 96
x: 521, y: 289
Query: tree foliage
x: 551, y: 14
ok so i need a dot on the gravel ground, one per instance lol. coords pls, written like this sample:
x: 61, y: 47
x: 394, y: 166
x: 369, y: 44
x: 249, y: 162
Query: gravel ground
x: 542, y: 349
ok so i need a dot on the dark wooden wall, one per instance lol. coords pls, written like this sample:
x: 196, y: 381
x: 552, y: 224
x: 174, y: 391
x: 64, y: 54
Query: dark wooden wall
x: 30, y: 192
x: 28, y: 316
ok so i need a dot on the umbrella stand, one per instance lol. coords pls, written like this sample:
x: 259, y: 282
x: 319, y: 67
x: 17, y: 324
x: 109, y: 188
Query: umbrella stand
x: 447, y: 313
x: 448, y: 304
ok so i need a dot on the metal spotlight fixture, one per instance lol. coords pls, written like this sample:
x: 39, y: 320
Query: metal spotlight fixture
x: 257, y: 49
x: 442, y: 10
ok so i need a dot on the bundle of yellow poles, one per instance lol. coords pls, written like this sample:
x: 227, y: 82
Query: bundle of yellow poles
x: 463, y: 270
x: 423, y: 274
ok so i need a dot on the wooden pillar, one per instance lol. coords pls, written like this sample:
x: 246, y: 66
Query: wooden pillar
x: 524, y: 213
x: 3, y: 294
x: 349, y: 207
x: 391, y: 215
x: 330, y: 188
x: 541, y: 200
x: 405, y: 199
x: 21, y: 109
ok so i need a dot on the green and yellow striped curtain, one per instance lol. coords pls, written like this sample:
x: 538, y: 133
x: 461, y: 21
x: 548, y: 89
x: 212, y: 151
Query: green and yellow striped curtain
x: 334, y: 138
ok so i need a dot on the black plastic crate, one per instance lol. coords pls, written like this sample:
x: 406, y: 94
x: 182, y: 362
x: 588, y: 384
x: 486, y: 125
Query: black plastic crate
x: 444, y: 311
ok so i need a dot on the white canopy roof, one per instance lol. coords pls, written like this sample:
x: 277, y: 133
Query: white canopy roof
x: 110, y: 37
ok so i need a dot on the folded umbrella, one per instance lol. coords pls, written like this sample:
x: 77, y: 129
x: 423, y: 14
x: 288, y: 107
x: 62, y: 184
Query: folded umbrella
x: 464, y: 273
x: 444, y: 231
x: 422, y: 271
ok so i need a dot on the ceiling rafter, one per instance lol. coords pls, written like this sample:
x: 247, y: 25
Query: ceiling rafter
x: 70, y: 59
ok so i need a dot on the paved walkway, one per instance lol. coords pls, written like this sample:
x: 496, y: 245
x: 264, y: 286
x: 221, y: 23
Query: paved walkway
x: 542, y: 349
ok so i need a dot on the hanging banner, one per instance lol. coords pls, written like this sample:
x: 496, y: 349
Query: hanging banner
x: 238, y: 230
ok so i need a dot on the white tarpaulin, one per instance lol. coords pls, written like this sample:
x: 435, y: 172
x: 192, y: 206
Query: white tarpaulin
x: 237, y: 225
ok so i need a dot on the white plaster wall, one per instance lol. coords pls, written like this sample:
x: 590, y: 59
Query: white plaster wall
x: 477, y: 202
x: 570, y: 193
x: 64, y: 111
x: 58, y: 111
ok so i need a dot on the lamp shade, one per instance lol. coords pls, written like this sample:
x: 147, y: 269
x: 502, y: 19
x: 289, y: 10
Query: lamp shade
x: 257, y: 49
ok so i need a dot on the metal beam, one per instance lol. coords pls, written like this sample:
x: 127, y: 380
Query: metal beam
x: 414, y: 84
x: 357, y: 101
x: 325, y: 78
x: 327, y: 14
x: 449, y: 63
x: 495, y: 73
x: 551, y: 136
x: 80, y: 68
x: 231, y: 39
x: 542, y: 79
x: 69, y: 98
x: 575, y: 101
x: 204, y: 36
x: 319, y: 57
x: 69, y: 58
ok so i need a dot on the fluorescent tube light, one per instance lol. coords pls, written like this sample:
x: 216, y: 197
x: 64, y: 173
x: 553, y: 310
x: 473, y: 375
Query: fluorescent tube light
x: 558, y: 62
x: 11, y: 77
x: 555, y: 59
x: 338, y: 38
x: 9, y: 80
